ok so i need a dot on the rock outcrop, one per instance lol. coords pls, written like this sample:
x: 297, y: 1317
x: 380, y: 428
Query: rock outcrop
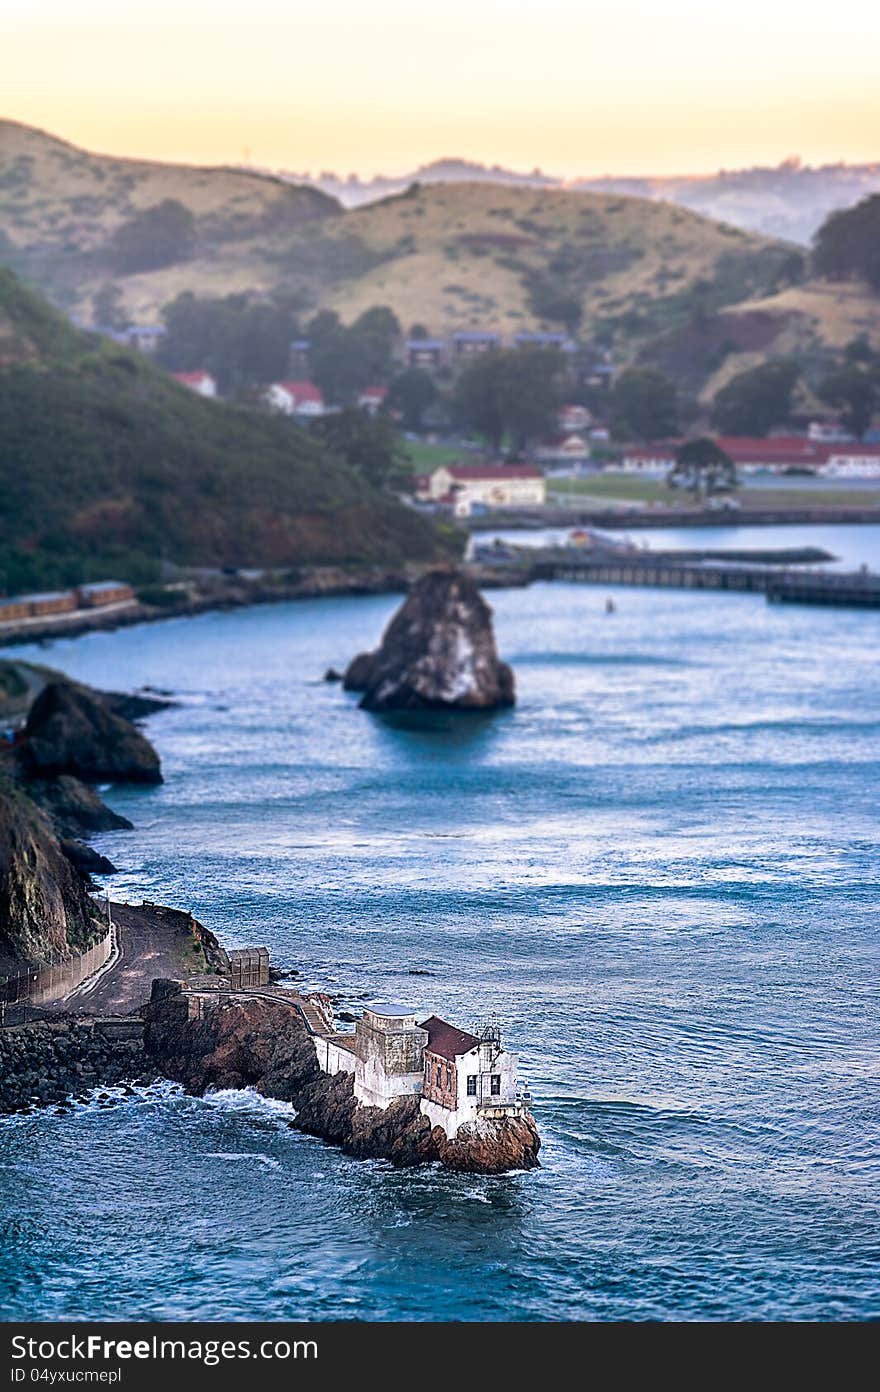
x: 265, y: 1044
x: 71, y: 730
x: 44, y: 904
x: 438, y: 652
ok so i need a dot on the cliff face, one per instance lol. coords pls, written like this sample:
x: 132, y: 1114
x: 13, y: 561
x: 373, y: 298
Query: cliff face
x: 72, y: 730
x: 265, y: 1045
x: 44, y: 905
x: 437, y: 652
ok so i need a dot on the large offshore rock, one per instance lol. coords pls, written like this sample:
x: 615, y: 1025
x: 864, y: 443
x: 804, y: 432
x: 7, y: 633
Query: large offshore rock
x: 438, y: 652
x: 71, y: 730
x: 44, y: 905
x: 74, y: 806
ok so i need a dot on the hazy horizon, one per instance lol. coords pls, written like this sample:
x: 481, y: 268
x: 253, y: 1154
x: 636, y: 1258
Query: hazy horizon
x: 643, y: 91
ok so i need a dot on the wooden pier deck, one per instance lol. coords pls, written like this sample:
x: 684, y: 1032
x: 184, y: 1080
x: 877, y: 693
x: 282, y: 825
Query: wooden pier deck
x: 860, y: 589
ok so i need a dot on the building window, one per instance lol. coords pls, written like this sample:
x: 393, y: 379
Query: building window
x: 448, y: 1077
x: 438, y: 1076
x: 495, y: 1084
x: 472, y: 1085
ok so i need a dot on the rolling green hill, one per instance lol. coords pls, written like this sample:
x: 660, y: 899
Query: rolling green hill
x: 108, y: 465
x: 449, y: 256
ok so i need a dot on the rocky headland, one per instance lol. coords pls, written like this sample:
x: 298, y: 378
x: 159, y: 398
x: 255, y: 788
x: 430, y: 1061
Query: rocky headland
x: 437, y: 653
x: 265, y: 1044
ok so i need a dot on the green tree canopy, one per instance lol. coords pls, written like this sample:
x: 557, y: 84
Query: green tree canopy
x: 644, y: 404
x: 411, y: 393
x: 854, y: 390
x: 242, y: 343
x: 848, y: 243
x: 703, y: 467
x: 369, y: 445
x: 157, y: 236
x: 512, y: 391
x: 753, y: 402
x: 343, y: 360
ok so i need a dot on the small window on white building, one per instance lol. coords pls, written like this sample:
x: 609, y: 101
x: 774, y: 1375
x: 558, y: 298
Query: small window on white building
x: 472, y: 1085
x: 495, y: 1084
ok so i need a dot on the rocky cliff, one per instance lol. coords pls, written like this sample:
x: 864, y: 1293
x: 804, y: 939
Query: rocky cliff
x: 438, y: 652
x: 44, y: 903
x: 265, y: 1044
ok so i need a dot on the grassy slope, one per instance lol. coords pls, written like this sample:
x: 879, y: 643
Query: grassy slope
x: 450, y: 256
x: 107, y: 463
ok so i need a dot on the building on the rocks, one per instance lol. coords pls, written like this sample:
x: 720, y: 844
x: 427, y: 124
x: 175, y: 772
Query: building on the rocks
x: 458, y: 1076
x: 248, y: 968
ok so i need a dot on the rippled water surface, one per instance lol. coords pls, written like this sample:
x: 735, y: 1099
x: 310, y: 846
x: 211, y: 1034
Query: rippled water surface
x: 660, y: 870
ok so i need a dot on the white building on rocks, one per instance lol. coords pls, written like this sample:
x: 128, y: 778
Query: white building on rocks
x: 458, y: 1076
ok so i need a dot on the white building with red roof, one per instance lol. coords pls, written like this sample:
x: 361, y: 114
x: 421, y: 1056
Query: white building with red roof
x: 466, y: 486
x: 458, y: 1076
x: 295, y: 398
x: 200, y: 382
x: 372, y: 399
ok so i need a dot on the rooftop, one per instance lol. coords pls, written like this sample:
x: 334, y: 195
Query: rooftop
x: 447, y: 1041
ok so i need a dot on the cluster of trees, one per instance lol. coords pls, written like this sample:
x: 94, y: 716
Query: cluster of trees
x: 511, y: 394
x: 158, y: 236
x: 848, y: 243
x: 346, y: 358
x: 241, y: 342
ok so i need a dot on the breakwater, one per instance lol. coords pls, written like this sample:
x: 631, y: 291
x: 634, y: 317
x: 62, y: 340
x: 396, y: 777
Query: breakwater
x: 51, y: 1061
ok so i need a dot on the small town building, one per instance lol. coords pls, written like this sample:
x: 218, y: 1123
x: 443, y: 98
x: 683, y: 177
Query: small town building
x: 144, y: 337
x: 465, y: 486
x: 295, y: 399
x: 650, y: 463
x: 202, y: 383
x: 569, y: 448
x: 51, y: 602
x: 559, y: 341
x: 298, y: 361
x: 425, y: 352
x: 470, y: 343
x: 372, y: 399
x: 573, y: 417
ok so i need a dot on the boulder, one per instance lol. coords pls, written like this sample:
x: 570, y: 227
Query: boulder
x: 75, y: 808
x: 438, y: 652
x: 71, y: 730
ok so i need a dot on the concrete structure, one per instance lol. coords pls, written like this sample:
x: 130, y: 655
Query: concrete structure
x: 144, y: 337
x: 202, y: 383
x: 458, y: 1076
x: 470, y: 344
x: 295, y: 399
x: 465, y: 486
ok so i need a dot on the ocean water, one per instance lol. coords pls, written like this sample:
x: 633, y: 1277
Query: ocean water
x: 659, y: 871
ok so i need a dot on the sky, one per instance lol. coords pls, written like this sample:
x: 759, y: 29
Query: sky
x: 573, y: 86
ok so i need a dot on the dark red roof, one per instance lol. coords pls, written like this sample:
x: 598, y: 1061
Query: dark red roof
x: 469, y: 472
x: 191, y: 379
x: 447, y: 1041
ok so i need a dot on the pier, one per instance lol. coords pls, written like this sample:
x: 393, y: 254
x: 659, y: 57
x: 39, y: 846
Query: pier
x: 860, y: 588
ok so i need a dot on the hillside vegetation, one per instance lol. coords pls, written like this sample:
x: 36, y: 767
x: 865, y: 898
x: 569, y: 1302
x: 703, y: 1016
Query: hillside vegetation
x: 108, y: 465
x: 449, y: 256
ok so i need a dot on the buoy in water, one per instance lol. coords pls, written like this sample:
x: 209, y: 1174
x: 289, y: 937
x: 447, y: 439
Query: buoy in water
x: 610, y: 606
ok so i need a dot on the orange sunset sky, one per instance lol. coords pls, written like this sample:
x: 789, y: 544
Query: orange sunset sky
x: 577, y: 87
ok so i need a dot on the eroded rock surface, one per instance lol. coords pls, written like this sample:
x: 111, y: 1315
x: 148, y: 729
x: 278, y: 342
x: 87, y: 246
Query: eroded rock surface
x: 438, y: 652
x: 71, y: 730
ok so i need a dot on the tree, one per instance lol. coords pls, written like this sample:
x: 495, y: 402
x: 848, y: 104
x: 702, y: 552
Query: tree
x: 855, y: 391
x: 108, y: 308
x: 848, y: 243
x: 510, y: 391
x: 753, y: 402
x: 702, y: 467
x: 157, y: 236
x: 411, y: 393
x: 242, y: 343
x: 369, y: 445
x: 343, y: 360
x: 644, y: 404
